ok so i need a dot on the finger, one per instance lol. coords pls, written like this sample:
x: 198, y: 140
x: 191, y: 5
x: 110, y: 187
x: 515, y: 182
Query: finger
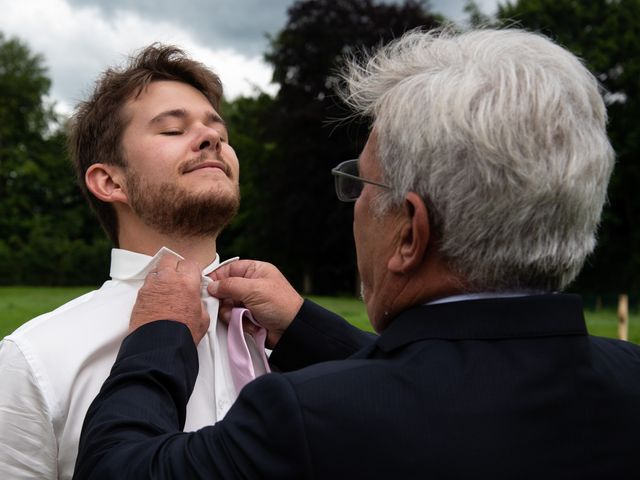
x: 168, y: 261
x: 239, y: 268
x: 189, y: 267
x: 229, y: 303
x: 249, y: 327
x: 150, y: 279
x: 224, y: 312
x: 235, y: 288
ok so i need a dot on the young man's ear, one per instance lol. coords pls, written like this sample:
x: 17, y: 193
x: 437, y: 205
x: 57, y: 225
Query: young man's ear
x: 414, y: 235
x: 105, y: 182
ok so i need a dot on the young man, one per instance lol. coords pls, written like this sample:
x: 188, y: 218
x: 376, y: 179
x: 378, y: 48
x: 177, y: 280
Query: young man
x: 153, y: 158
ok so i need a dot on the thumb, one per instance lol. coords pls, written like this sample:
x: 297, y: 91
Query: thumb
x: 234, y: 288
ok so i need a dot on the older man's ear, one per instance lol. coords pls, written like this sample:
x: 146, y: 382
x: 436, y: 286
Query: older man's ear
x: 414, y: 236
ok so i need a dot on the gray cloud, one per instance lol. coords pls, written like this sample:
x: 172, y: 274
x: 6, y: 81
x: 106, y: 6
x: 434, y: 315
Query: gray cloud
x: 79, y: 38
x: 239, y: 24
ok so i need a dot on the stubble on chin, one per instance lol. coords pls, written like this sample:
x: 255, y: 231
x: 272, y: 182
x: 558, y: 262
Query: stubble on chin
x: 173, y: 210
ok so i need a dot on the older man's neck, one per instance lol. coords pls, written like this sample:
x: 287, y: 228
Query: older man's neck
x: 200, y: 249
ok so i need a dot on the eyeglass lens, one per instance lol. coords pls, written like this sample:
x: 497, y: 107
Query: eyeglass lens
x: 350, y: 188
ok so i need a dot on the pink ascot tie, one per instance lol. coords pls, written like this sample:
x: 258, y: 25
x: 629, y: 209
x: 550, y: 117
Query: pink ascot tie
x: 240, y: 361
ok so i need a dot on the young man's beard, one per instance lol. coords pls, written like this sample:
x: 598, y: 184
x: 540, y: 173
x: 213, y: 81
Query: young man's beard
x: 172, y: 210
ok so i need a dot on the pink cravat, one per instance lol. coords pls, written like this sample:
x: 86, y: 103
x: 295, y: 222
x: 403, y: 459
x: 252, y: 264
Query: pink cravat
x: 241, y: 365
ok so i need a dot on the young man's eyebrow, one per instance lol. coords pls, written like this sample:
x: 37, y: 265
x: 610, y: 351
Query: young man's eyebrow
x: 213, y: 117
x: 181, y: 113
x: 176, y: 113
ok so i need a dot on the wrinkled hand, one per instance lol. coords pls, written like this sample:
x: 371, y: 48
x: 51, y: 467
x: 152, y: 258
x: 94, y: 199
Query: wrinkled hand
x: 172, y: 292
x: 260, y: 287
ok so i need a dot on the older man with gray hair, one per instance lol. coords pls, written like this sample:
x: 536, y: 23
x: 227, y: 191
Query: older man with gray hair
x: 477, y: 199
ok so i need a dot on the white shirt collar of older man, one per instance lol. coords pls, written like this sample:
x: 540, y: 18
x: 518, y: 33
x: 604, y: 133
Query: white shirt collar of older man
x: 483, y: 295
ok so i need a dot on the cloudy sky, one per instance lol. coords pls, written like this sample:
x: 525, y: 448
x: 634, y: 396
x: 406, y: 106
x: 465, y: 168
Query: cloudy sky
x: 80, y: 38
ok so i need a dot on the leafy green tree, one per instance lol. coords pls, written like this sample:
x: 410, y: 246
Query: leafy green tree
x: 23, y: 120
x: 606, y: 34
x: 46, y: 233
x: 475, y: 16
x: 306, y: 231
x: 247, y: 120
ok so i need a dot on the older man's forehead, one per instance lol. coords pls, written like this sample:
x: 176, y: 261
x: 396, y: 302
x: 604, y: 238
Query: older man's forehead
x: 368, y: 160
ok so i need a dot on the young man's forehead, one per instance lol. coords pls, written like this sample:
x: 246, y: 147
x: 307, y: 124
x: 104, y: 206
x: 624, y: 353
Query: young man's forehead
x: 164, y: 99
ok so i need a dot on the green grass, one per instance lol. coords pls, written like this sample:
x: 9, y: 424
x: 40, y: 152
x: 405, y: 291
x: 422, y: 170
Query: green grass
x: 348, y: 307
x: 19, y: 304
x: 603, y: 323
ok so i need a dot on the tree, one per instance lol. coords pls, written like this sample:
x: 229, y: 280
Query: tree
x: 307, y: 231
x: 23, y: 119
x: 46, y: 233
x: 475, y: 16
x: 247, y: 120
x: 606, y: 34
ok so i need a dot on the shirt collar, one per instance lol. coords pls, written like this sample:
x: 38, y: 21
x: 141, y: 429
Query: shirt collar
x: 482, y: 295
x: 131, y: 266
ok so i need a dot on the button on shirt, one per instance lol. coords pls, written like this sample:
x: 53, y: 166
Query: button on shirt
x: 52, y: 367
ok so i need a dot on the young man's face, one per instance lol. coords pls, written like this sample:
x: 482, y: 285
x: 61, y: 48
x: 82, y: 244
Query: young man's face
x: 181, y: 174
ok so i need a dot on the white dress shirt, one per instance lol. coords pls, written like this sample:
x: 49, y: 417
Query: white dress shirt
x: 52, y: 367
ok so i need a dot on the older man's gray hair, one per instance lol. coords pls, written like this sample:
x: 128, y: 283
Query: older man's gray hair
x: 503, y: 134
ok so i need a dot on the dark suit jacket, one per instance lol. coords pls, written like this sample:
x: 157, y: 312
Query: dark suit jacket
x: 509, y: 388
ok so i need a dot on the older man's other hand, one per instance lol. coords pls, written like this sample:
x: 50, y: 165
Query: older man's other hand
x: 260, y: 287
x: 172, y: 292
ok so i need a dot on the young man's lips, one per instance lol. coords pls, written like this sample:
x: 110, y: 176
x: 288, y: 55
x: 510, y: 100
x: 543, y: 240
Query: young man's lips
x: 209, y: 164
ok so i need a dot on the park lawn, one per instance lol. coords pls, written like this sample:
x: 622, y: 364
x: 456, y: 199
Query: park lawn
x: 18, y: 304
x: 603, y: 323
x: 347, y: 307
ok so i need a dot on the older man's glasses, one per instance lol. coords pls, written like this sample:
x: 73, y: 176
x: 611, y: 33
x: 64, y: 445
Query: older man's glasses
x: 349, y: 184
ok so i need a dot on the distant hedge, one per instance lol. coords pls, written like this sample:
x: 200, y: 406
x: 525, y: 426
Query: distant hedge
x: 54, y: 262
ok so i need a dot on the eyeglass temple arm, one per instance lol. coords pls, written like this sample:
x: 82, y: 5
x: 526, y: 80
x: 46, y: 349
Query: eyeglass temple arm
x: 337, y: 172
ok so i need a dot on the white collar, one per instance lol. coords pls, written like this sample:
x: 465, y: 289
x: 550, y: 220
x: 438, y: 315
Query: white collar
x: 128, y: 265
x: 481, y: 295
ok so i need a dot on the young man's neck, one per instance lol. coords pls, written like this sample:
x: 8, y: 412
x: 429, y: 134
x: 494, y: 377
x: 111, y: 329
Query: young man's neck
x: 199, y: 249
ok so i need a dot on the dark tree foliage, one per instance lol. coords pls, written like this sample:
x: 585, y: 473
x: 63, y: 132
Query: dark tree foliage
x: 46, y: 234
x: 606, y: 34
x: 304, y: 229
x: 23, y: 119
x: 247, y: 120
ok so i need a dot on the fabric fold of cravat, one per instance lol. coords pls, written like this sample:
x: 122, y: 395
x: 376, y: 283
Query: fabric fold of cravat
x: 241, y: 364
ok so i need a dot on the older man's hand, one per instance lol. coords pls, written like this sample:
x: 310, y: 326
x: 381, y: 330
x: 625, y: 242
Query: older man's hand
x: 172, y: 292
x: 260, y: 287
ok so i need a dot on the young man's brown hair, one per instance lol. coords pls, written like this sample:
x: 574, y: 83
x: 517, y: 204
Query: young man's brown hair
x: 98, y: 123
